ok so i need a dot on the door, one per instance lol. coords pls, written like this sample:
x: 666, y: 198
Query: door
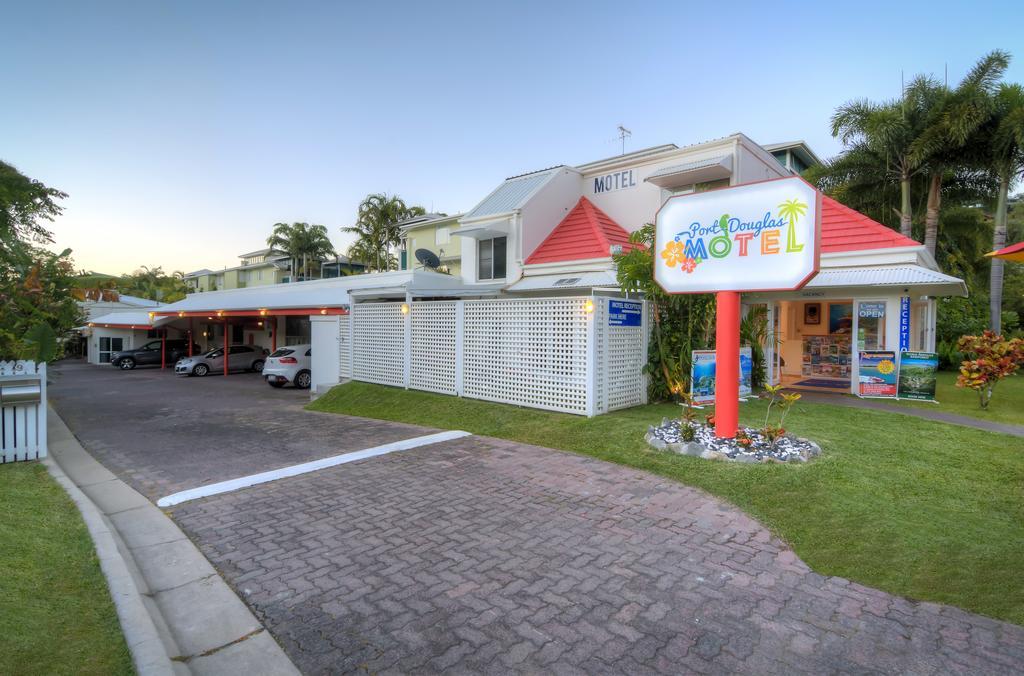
x: 108, y: 345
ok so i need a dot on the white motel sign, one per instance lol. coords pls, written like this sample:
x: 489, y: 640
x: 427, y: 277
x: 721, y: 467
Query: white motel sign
x: 755, y: 237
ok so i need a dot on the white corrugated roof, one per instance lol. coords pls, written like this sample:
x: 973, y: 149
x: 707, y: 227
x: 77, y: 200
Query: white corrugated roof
x: 511, y: 194
x: 565, y: 280
x: 134, y: 317
x: 319, y: 293
x: 889, y: 275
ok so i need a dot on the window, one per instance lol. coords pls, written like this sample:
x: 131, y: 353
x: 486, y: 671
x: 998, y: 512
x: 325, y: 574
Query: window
x: 237, y: 333
x: 490, y: 257
x: 443, y: 236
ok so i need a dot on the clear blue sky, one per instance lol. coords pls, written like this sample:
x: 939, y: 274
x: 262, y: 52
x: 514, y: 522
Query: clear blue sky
x: 183, y: 130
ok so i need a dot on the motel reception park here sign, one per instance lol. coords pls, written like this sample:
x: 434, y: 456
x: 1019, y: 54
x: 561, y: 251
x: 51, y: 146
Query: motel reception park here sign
x: 756, y: 237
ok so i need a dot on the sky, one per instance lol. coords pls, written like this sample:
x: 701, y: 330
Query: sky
x: 182, y: 131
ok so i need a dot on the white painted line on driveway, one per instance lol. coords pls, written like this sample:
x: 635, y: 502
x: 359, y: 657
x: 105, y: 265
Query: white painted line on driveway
x: 306, y: 467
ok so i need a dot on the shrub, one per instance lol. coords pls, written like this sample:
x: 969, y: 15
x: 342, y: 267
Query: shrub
x: 990, y: 359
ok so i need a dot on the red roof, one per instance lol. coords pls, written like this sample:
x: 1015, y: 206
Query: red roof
x: 843, y: 229
x: 585, y: 232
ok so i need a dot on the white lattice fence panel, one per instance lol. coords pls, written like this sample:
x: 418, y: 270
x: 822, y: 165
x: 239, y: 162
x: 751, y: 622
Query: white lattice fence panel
x: 530, y: 352
x: 432, y: 346
x: 345, y: 348
x: 624, y: 363
x: 378, y: 343
x: 22, y: 411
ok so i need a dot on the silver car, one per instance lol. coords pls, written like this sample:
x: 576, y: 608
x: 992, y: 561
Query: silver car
x: 240, y: 358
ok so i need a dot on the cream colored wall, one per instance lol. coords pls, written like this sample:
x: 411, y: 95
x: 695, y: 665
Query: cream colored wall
x: 426, y: 238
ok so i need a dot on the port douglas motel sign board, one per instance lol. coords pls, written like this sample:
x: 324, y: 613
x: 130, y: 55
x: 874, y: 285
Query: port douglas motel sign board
x: 755, y: 237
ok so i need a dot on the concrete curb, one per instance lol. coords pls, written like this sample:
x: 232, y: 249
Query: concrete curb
x: 177, y: 614
x: 148, y: 653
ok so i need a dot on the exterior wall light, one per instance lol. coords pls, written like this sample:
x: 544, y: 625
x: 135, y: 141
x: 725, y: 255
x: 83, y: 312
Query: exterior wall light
x: 588, y: 307
x: 263, y: 313
x: 405, y: 308
x: 220, y: 313
x: 323, y: 311
x: 181, y: 314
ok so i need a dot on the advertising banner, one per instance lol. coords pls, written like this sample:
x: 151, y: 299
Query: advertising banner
x: 877, y: 373
x: 625, y: 313
x: 754, y: 237
x: 917, y: 375
x: 904, y: 324
x: 702, y: 374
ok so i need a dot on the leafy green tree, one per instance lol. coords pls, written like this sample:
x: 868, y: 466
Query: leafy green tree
x: 305, y: 244
x: 154, y: 283
x: 36, y: 302
x: 377, y: 231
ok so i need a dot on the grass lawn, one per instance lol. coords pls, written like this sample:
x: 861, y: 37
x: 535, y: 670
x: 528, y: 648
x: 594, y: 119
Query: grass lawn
x: 918, y: 508
x: 1007, y: 405
x: 56, y: 616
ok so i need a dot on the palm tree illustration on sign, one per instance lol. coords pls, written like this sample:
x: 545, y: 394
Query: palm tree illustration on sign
x: 792, y: 210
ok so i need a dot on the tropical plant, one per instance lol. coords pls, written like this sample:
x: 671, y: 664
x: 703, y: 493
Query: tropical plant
x: 681, y: 323
x: 754, y: 333
x: 154, y: 283
x: 306, y: 245
x: 990, y: 358
x: 377, y: 230
x: 783, y: 403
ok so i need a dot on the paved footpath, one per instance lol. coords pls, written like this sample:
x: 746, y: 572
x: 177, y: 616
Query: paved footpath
x: 928, y: 414
x: 488, y: 556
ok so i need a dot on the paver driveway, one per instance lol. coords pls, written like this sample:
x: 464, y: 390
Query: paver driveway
x: 483, y: 555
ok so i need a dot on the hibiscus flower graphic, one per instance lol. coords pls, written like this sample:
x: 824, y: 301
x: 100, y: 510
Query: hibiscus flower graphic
x: 673, y: 253
x: 688, y: 265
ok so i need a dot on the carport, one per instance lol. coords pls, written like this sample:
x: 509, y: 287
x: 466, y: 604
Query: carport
x: 254, y: 316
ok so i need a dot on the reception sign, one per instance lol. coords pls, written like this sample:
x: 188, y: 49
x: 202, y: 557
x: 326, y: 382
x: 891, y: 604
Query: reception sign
x: 877, y: 373
x: 917, y: 375
x: 702, y: 374
x: 755, y: 237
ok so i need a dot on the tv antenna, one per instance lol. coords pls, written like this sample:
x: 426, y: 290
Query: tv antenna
x: 623, y: 135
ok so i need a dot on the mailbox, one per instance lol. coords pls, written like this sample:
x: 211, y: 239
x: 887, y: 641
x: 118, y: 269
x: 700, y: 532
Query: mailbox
x: 20, y: 392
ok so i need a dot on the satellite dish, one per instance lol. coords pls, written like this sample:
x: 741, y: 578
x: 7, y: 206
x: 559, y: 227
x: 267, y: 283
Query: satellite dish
x: 428, y: 258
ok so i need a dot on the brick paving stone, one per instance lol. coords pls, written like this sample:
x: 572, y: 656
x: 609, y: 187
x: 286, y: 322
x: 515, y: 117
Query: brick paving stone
x: 502, y: 557
x: 488, y: 556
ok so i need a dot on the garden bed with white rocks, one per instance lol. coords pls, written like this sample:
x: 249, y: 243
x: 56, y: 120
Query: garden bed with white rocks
x: 668, y: 436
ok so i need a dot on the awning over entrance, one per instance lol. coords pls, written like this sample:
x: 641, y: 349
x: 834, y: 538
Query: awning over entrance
x: 123, y: 320
x: 924, y: 281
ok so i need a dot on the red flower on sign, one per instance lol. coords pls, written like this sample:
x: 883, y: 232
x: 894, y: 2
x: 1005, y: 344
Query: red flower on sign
x: 688, y: 265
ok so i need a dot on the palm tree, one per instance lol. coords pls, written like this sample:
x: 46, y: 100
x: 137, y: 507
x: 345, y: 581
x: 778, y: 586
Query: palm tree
x: 954, y: 119
x: 377, y: 231
x: 305, y: 244
x: 1005, y: 136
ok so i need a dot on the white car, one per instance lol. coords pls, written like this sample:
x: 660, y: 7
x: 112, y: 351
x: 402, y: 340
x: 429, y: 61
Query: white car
x: 289, y: 364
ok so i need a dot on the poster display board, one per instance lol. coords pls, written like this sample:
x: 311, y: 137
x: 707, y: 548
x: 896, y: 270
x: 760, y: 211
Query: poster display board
x: 877, y: 373
x: 702, y: 374
x: 917, y: 375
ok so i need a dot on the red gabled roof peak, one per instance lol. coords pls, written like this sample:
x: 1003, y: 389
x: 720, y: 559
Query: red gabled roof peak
x: 844, y: 229
x: 585, y: 232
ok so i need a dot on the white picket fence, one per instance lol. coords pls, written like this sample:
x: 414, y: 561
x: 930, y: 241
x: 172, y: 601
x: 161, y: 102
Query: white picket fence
x: 22, y: 411
x: 561, y: 354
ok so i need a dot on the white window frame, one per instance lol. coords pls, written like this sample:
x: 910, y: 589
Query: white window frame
x: 491, y: 278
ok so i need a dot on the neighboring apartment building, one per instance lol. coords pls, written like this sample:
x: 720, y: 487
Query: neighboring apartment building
x: 433, y: 233
x: 257, y: 268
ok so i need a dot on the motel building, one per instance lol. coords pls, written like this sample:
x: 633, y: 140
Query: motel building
x: 549, y: 237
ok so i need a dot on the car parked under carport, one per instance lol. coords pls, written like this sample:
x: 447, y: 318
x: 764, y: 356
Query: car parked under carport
x: 240, y: 358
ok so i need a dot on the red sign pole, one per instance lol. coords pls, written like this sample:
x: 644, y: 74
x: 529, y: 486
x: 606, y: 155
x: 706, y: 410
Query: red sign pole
x: 727, y: 364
